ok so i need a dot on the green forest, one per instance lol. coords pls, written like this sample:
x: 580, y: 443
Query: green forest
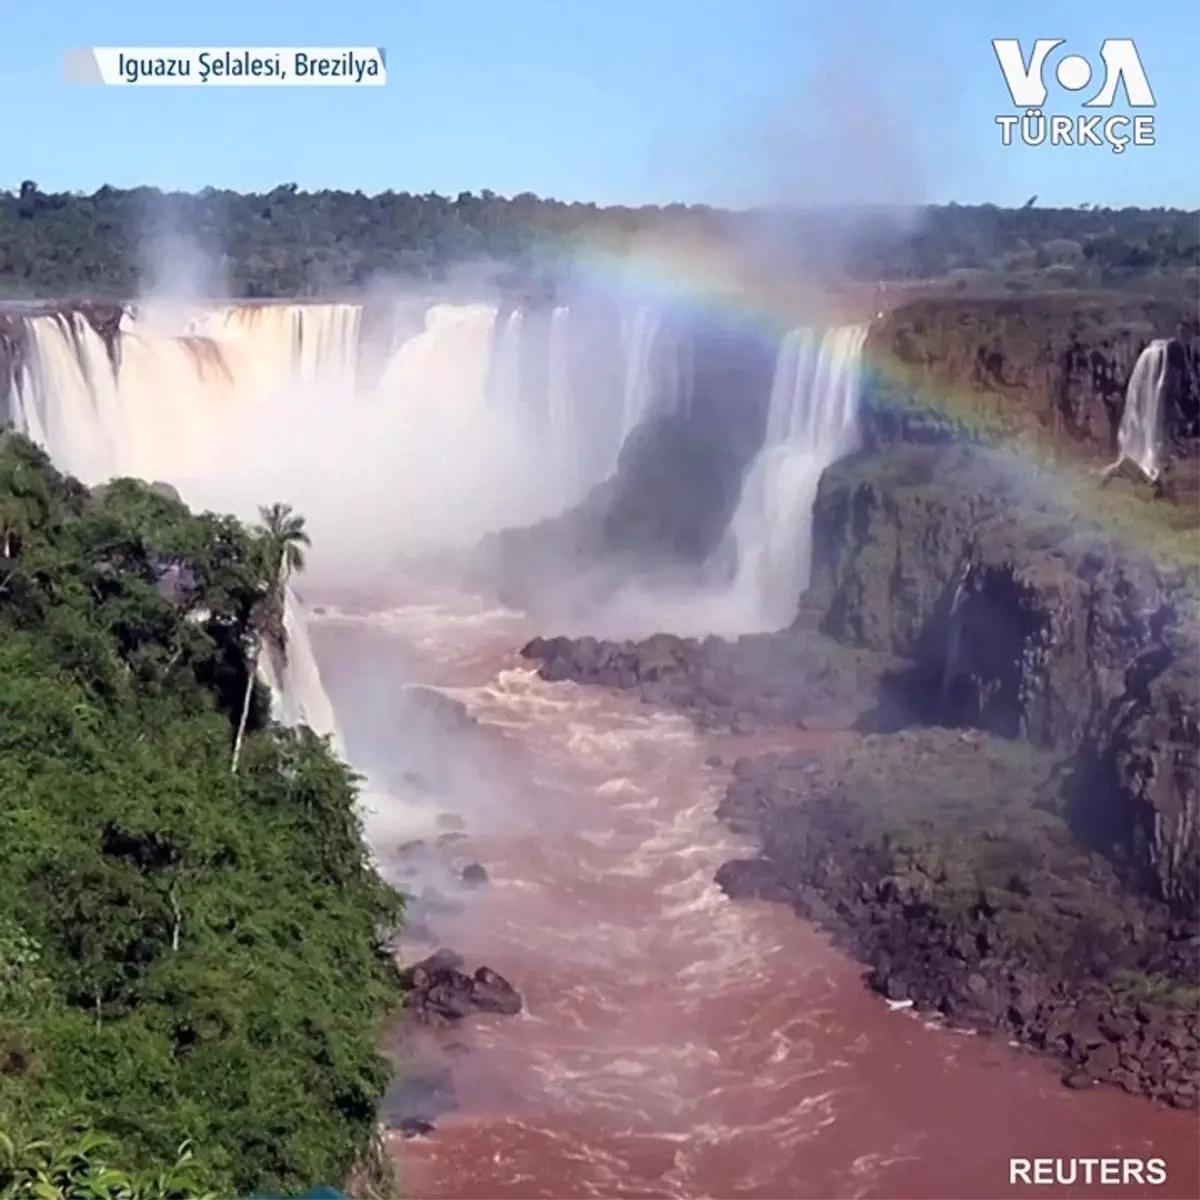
x: 290, y: 243
x: 192, y: 972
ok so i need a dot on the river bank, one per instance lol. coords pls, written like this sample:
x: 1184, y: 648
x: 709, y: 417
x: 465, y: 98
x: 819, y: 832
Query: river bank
x: 1015, y: 846
x: 674, y: 1043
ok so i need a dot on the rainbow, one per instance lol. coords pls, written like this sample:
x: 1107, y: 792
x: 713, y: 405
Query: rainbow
x: 705, y: 276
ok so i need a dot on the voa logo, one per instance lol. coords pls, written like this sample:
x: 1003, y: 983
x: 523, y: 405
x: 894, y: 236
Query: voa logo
x: 1122, y: 70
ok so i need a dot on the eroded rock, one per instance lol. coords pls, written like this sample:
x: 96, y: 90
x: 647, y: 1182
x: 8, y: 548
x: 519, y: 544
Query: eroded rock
x: 441, y: 992
x: 949, y: 867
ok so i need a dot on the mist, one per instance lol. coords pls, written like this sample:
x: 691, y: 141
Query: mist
x: 180, y: 270
x: 446, y: 427
x: 418, y: 462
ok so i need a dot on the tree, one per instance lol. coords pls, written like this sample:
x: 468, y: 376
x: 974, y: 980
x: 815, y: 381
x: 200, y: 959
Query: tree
x: 282, y: 539
x: 185, y: 953
x: 14, y: 523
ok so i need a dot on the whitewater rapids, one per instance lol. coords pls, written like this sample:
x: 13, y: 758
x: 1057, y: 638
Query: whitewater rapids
x: 676, y: 1044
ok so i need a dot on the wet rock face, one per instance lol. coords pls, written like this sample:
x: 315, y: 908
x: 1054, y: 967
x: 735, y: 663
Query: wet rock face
x: 758, y: 682
x: 920, y: 548
x: 1053, y: 366
x: 944, y: 861
x: 1018, y: 622
x: 441, y: 993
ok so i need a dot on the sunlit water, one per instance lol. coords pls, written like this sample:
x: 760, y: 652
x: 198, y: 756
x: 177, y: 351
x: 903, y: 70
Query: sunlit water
x: 677, y: 1044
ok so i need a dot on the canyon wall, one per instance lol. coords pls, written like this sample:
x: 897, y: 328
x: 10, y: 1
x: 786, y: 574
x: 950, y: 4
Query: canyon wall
x: 1049, y: 368
x: 1025, y: 607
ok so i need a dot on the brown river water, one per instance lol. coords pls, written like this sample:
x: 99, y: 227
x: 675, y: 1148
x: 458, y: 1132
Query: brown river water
x: 674, y: 1043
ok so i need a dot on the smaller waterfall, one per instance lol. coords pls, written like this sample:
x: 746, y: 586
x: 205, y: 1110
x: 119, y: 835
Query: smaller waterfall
x: 298, y: 696
x: 504, y: 369
x: 565, y: 428
x: 812, y: 422
x: 639, y: 337
x: 954, y: 638
x: 1140, y: 434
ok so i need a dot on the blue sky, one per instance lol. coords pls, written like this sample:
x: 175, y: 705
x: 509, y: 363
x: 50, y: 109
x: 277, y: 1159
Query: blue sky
x: 618, y: 101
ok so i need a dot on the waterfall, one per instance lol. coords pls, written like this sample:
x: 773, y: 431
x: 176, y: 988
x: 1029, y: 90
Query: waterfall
x: 1140, y: 434
x: 298, y: 695
x: 311, y: 344
x: 176, y: 388
x: 577, y: 433
x: 566, y: 433
x: 639, y: 337
x: 474, y: 421
x: 66, y: 396
x: 812, y: 422
x: 504, y: 369
x: 954, y: 636
x: 163, y: 407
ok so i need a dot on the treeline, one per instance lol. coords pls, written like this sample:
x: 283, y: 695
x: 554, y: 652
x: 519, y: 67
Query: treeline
x: 192, y: 973
x: 289, y: 243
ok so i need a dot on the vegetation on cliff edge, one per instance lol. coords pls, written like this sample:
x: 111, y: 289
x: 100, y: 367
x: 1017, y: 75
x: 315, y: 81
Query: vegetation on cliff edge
x: 191, y: 973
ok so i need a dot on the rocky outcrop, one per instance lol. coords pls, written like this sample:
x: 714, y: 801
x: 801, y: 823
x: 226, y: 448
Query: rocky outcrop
x: 662, y: 515
x: 440, y: 996
x: 1050, y: 367
x: 1020, y: 622
x: 439, y: 992
x: 759, y: 682
x: 1019, y: 619
x: 943, y: 860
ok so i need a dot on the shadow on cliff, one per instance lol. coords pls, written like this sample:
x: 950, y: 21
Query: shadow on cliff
x: 660, y: 520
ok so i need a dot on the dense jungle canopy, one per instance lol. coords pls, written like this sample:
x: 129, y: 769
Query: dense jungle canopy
x: 188, y: 955
x: 290, y: 243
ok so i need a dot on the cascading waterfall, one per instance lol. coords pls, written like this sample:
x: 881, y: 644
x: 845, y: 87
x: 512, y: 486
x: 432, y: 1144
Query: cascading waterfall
x: 639, y: 337
x: 812, y: 422
x: 578, y: 439
x: 66, y: 397
x: 504, y: 367
x: 315, y: 345
x: 164, y: 402
x: 297, y: 692
x: 495, y: 420
x: 161, y: 407
x: 1140, y: 434
x: 954, y: 638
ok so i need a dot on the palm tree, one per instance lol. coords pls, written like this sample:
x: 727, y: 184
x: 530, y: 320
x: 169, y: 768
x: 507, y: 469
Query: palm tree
x: 281, y: 539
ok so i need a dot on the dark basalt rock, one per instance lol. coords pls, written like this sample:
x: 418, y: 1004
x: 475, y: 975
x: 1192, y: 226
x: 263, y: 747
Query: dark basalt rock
x: 474, y: 875
x: 414, y: 1127
x: 1019, y: 620
x: 440, y: 992
x: 758, y: 682
x: 945, y: 862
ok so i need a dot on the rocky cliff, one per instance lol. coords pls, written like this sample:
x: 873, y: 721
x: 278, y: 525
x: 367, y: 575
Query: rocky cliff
x: 1020, y: 622
x: 1035, y: 870
x: 1051, y: 368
